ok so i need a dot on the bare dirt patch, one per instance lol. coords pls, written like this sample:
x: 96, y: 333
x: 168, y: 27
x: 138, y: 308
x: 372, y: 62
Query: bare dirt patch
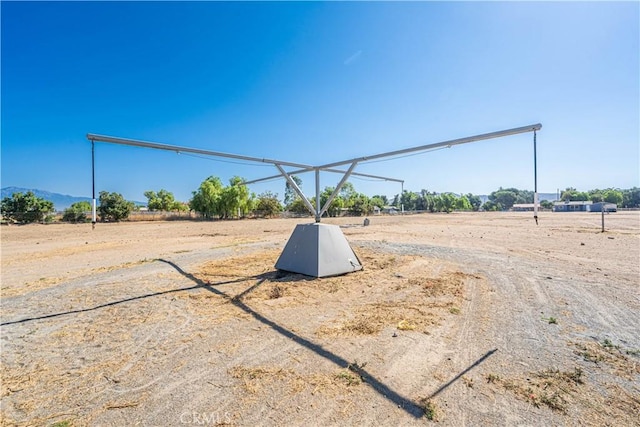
x: 187, y: 322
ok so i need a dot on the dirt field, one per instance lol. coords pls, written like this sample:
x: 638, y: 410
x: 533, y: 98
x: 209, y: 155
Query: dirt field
x: 464, y: 319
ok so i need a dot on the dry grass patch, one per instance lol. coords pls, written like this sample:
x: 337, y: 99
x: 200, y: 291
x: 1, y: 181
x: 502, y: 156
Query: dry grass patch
x: 415, y: 305
x: 254, y: 379
x: 620, y: 401
x: 254, y: 382
x: 243, y: 272
x: 569, y: 393
x: 238, y: 267
x: 253, y: 277
x: 431, y: 411
x: 376, y: 261
x: 348, y: 378
x: 405, y: 325
x: 372, y: 318
x: 551, y: 387
x: 449, y: 284
x: 623, y: 362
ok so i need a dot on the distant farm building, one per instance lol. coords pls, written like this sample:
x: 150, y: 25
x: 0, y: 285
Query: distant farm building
x: 523, y: 207
x: 599, y: 206
x: 390, y: 210
x: 584, y: 206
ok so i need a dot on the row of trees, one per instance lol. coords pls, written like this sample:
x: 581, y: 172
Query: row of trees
x: 213, y: 199
x: 111, y: 207
x: 25, y: 208
x: 623, y: 198
x: 347, y: 200
x: 433, y: 202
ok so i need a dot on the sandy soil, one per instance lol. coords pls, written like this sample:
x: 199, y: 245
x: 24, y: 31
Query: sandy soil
x: 463, y: 319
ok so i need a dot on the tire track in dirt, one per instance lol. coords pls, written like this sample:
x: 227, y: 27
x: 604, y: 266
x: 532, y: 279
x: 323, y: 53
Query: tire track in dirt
x: 506, y: 310
x: 512, y: 313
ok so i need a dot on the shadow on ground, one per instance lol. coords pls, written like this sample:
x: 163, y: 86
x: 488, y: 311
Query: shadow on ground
x: 409, y: 406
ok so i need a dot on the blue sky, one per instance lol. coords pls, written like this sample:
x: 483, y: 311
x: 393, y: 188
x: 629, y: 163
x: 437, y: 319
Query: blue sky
x: 316, y: 83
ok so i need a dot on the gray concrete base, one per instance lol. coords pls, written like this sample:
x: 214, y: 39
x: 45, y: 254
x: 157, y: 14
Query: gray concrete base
x: 318, y: 250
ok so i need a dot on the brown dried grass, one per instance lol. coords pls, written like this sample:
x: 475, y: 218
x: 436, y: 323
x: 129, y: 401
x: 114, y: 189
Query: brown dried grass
x: 371, y: 296
x: 373, y: 318
x: 619, y: 360
x: 576, y: 390
x: 255, y: 382
x: 551, y: 387
x: 416, y: 304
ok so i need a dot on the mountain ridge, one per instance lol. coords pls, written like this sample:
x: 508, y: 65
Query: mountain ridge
x: 60, y: 201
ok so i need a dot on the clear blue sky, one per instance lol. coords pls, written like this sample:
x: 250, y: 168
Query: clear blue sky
x: 320, y: 82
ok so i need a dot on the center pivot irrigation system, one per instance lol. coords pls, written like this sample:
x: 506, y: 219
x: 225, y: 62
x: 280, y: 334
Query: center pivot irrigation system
x: 317, y: 249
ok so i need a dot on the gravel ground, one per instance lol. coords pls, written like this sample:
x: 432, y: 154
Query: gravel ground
x: 467, y: 319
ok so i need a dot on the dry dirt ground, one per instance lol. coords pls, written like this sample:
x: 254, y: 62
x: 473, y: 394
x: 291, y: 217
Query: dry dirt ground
x: 460, y: 319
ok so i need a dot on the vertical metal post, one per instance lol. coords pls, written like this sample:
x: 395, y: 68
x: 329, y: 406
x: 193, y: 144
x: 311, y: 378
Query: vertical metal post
x: 535, y: 179
x: 602, y: 210
x: 401, y: 195
x: 93, y: 184
x: 317, y: 195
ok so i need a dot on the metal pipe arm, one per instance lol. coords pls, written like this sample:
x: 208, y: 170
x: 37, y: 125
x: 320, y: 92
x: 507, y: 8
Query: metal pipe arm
x: 178, y: 149
x: 450, y: 143
x: 335, y: 191
x: 297, y: 189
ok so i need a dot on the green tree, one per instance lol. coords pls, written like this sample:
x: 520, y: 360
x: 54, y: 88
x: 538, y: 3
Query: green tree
x: 409, y: 199
x: 396, y: 201
x: 523, y: 196
x: 613, y: 196
x: 267, y: 205
x: 474, y: 201
x: 77, y: 212
x: 571, y: 194
x: 235, y: 200
x: 25, y: 208
x: 631, y: 198
x: 113, y: 207
x: 336, y: 205
x: 546, y: 204
x: 206, y: 200
x: 298, y: 207
x: 490, y: 205
x: 596, y: 196
x: 426, y: 201
x: 445, y: 202
x: 385, y: 200
x: 360, y: 205
x: 378, y: 201
x: 462, y: 204
x: 163, y: 200
x: 290, y: 194
x: 348, y: 191
x: 504, y: 197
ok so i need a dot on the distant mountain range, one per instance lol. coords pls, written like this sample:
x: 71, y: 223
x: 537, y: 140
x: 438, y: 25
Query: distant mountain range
x: 60, y: 201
